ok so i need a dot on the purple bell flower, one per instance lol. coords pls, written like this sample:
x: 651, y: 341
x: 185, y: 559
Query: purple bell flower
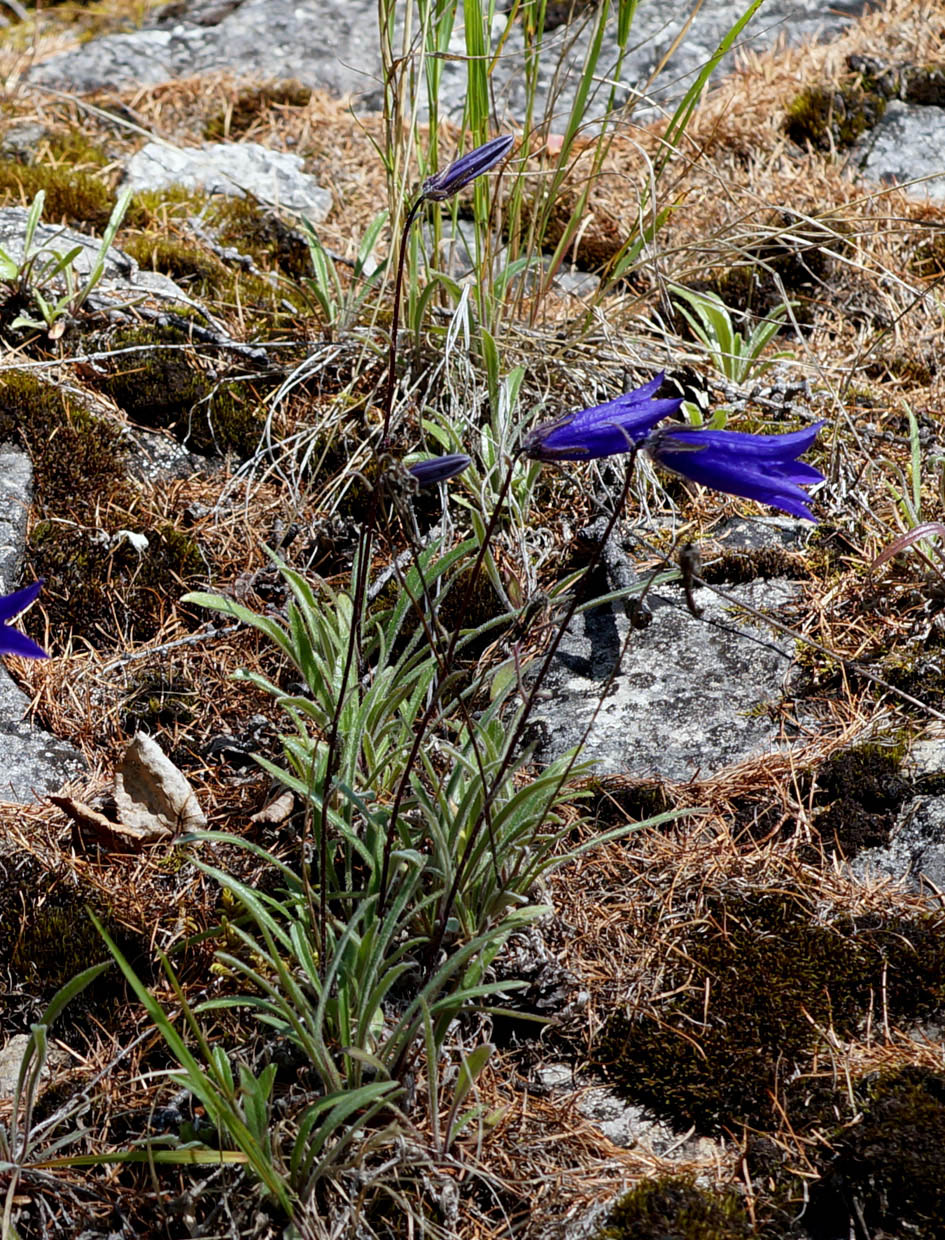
x: 438, y: 469
x: 461, y: 171
x: 760, y: 467
x: 617, y: 426
x: 12, y: 641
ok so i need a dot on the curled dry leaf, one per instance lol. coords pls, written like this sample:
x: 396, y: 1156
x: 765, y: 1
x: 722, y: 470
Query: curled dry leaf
x: 151, y: 792
x: 90, y: 827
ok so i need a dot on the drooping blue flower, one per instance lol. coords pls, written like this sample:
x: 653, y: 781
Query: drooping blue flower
x: 759, y: 467
x: 438, y: 469
x: 12, y: 641
x: 617, y: 426
x: 461, y: 171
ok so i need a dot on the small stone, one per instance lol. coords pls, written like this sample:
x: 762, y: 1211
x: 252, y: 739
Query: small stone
x: 232, y: 168
x: 905, y: 144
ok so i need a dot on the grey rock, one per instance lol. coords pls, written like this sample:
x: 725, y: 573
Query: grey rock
x: 334, y: 44
x: 155, y: 455
x: 11, y: 1058
x: 21, y: 140
x: 16, y: 490
x: 760, y: 533
x: 31, y: 761
x: 907, y: 142
x: 233, y: 168
x: 122, y: 282
x: 927, y: 754
x: 52, y: 240
x: 687, y: 699
x: 915, y: 854
x: 628, y: 1125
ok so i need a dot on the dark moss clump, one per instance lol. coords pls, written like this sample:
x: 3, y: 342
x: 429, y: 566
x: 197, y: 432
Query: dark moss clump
x: 923, y: 84
x: 832, y: 118
x: 47, y: 937
x: 271, y: 242
x: 166, y: 386
x: 78, y: 459
x: 761, y: 973
x: 862, y: 792
x: 922, y: 676
x: 674, y: 1208
x: 737, y: 567
x: 57, y: 942
x: 88, y: 573
x: 928, y: 258
x: 612, y: 802
x: 887, y: 1175
x: 158, y: 702
x: 242, y: 112
x: 793, y: 255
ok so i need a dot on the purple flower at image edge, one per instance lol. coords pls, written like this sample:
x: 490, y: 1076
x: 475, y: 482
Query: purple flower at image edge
x: 759, y: 467
x: 438, y: 469
x: 12, y: 641
x: 617, y: 426
x: 462, y: 171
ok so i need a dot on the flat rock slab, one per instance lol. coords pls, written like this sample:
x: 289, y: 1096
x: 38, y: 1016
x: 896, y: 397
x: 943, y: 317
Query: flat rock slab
x: 333, y: 44
x: 686, y: 699
x: 32, y: 762
x: 122, y: 280
x: 233, y: 168
x: 907, y: 142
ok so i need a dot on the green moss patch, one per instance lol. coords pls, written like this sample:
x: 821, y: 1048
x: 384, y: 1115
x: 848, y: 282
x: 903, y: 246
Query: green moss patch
x: 165, y: 385
x: 105, y: 589
x: 674, y: 1208
x: 832, y: 118
x: 77, y: 457
x: 758, y: 975
x: 81, y: 199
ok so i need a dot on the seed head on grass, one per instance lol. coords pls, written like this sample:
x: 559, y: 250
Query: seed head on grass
x: 462, y: 171
x: 12, y: 641
x: 616, y: 426
x: 438, y: 469
x: 760, y: 467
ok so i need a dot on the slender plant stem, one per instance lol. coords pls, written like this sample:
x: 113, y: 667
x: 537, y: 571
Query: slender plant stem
x: 421, y: 730
x: 395, y: 324
x: 368, y: 530
x: 528, y: 706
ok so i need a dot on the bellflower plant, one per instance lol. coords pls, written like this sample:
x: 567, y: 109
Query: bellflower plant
x: 12, y: 641
x: 461, y: 172
x: 759, y: 467
x: 438, y: 468
x: 604, y: 430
